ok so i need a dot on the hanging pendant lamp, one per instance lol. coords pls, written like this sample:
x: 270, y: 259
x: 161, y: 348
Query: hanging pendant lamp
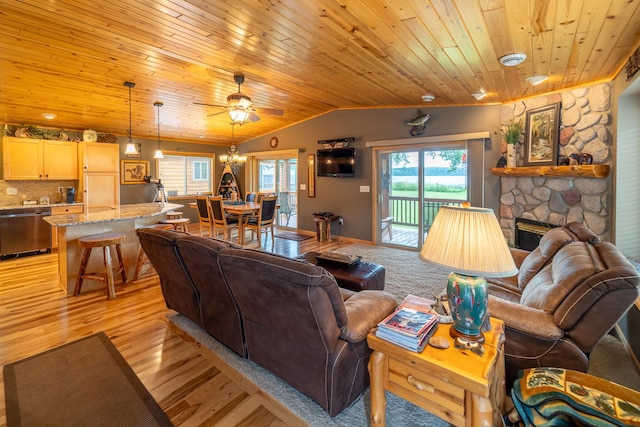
x: 131, y: 147
x: 158, y: 154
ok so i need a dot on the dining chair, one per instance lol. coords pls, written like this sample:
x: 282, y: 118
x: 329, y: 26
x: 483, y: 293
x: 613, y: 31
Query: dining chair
x: 203, y: 214
x: 264, y: 219
x: 286, y: 208
x: 250, y: 196
x: 220, y: 221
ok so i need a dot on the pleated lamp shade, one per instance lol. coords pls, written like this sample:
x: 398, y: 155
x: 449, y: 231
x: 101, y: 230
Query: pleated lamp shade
x: 468, y: 241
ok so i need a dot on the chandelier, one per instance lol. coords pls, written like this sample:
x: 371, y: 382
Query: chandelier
x: 233, y: 159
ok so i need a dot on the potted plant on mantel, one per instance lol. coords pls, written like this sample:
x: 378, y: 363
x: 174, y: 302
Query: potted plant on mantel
x: 511, y: 133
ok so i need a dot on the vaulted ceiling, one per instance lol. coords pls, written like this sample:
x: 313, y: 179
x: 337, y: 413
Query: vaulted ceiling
x: 304, y: 57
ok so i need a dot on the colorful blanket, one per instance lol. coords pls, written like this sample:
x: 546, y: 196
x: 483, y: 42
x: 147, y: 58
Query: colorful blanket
x: 560, y: 397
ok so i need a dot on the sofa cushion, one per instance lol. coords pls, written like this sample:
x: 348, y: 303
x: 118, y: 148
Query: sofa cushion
x: 550, y: 243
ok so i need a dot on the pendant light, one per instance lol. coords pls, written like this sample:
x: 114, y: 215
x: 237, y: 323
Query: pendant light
x: 158, y: 154
x: 131, y: 148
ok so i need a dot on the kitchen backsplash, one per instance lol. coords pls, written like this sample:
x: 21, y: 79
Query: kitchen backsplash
x: 33, y: 190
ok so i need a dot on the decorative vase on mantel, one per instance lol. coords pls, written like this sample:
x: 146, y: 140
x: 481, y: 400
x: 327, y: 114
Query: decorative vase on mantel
x: 511, y: 155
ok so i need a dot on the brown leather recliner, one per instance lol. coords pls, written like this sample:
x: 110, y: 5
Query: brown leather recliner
x: 569, y: 293
x: 297, y: 325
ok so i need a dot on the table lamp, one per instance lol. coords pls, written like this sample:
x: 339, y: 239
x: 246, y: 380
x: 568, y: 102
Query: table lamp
x: 469, y: 241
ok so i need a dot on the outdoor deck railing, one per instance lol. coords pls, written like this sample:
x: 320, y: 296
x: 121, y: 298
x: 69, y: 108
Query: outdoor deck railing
x: 405, y: 210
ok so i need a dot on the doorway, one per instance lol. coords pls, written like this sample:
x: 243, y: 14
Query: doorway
x: 279, y: 176
x: 414, y: 182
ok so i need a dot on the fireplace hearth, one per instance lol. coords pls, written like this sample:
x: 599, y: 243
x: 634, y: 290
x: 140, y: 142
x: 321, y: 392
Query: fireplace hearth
x: 529, y: 232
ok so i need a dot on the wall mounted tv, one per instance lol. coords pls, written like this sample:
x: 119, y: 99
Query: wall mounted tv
x: 336, y: 162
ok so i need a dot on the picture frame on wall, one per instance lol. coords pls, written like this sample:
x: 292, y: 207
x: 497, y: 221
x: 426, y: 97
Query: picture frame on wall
x: 311, y: 186
x: 133, y: 171
x: 541, y: 137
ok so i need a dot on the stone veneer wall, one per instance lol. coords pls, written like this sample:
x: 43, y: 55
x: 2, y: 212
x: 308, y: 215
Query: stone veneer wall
x: 585, y: 120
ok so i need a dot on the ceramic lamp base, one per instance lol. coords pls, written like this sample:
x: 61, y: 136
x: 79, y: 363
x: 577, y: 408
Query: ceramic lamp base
x: 468, y: 302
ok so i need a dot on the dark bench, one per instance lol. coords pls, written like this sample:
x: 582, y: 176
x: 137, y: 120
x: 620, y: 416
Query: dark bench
x: 357, y: 277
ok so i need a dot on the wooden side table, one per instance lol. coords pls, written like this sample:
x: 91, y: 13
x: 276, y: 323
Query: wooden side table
x: 458, y: 386
x: 323, y: 227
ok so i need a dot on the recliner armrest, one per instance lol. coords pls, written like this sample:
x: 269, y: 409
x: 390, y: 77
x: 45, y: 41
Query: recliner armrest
x: 525, y: 319
x: 518, y: 255
x: 365, y: 310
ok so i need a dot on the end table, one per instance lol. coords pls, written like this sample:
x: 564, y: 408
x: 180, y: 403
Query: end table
x: 458, y: 386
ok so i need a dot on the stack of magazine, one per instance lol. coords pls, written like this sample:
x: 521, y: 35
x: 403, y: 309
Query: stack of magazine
x: 411, y: 324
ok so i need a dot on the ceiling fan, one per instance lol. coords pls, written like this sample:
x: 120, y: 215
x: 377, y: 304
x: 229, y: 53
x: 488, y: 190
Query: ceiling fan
x: 240, y: 107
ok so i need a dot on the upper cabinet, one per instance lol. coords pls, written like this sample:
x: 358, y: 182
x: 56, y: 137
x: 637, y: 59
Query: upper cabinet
x: 100, y: 157
x: 37, y: 159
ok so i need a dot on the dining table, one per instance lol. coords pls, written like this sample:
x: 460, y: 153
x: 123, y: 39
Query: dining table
x: 241, y: 209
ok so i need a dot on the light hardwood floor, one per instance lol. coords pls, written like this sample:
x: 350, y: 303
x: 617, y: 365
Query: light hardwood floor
x: 190, y: 386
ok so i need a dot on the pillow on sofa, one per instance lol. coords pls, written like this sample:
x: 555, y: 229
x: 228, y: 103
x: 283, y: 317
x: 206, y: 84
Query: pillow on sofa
x: 550, y: 243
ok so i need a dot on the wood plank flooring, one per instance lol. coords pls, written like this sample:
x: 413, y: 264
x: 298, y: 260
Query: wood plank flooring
x: 191, y: 386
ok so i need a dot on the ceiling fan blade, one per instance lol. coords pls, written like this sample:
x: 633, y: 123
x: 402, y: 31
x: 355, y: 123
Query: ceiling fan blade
x: 215, y: 114
x: 271, y: 111
x: 210, y: 105
x: 253, y: 117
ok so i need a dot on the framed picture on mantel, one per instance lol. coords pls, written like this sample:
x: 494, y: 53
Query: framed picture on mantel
x: 541, y: 138
x: 133, y: 171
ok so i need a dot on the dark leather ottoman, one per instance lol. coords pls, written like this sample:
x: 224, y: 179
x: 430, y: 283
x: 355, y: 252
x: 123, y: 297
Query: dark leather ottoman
x: 358, y: 277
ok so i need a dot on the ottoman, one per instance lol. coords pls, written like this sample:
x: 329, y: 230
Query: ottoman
x: 357, y: 277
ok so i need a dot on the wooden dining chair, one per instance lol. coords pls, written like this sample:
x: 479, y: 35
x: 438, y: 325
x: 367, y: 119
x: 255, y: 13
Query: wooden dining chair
x: 203, y: 214
x: 264, y: 219
x: 251, y: 196
x: 220, y: 221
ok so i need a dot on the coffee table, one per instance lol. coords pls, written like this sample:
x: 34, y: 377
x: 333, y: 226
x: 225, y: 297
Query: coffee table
x: 458, y: 386
x: 357, y: 277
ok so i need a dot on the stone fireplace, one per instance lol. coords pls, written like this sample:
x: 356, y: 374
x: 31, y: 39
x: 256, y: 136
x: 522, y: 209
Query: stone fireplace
x: 559, y: 199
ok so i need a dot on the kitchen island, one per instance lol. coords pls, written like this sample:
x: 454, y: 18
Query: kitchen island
x: 118, y: 219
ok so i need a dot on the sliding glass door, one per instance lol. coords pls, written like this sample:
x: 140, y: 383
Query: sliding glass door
x: 279, y: 176
x: 413, y: 184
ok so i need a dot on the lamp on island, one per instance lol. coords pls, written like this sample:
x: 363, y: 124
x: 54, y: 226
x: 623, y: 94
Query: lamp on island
x: 469, y: 241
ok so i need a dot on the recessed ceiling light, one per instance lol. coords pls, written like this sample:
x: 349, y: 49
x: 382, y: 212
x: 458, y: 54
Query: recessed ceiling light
x: 49, y: 116
x: 512, y: 59
x: 201, y: 135
x: 479, y: 94
x: 428, y: 98
x: 536, y: 80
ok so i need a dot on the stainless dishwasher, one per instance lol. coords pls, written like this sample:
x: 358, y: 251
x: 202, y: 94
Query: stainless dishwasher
x: 24, y: 230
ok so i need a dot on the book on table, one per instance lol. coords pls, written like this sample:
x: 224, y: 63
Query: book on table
x: 411, y: 324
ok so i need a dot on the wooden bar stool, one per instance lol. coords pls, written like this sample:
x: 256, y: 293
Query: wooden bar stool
x: 174, y: 215
x: 142, y: 257
x: 104, y: 241
x: 178, y: 224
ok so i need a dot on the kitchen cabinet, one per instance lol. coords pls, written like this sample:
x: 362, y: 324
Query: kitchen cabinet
x: 37, y: 159
x: 100, y: 174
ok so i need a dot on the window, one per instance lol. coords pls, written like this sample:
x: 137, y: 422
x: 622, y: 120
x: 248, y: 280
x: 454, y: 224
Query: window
x: 185, y: 174
x: 201, y: 171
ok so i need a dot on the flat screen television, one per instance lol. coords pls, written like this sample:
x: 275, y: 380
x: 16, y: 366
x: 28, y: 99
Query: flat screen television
x: 336, y: 162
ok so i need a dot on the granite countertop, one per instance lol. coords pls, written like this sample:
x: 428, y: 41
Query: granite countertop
x: 51, y: 205
x: 115, y: 213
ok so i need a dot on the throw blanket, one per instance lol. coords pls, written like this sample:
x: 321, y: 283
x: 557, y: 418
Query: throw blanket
x: 561, y: 397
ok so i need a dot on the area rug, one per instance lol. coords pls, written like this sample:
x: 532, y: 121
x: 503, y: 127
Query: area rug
x: 294, y: 236
x: 83, y: 383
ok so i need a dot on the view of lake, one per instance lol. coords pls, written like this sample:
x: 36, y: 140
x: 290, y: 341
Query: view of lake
x: 446, y: 180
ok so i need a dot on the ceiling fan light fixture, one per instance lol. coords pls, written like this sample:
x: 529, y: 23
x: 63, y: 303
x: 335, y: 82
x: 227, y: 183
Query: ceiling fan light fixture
x: 536, y: 80
x: 131, y: 148
x: 479, y: 94
x: 512, y: 59
x: 239, y: 100
x: 238, y: 115
x: 428, y: 97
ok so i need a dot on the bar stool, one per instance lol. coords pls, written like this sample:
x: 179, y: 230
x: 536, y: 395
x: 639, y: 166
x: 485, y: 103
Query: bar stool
x: 178, y: 224
x: 174, y: 215
x: 103, y: 241
x: 142, y: 256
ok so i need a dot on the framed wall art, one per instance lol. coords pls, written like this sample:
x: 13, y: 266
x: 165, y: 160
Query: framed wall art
x: 133, y: 171
x: 311, y: 186
x: 541, y: 138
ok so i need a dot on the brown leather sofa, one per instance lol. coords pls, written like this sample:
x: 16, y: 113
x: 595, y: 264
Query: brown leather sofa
x: 286, y: 315
x: 568, y: 294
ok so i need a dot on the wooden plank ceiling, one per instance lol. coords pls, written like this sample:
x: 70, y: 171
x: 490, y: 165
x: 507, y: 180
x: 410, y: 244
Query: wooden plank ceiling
x: 304, y: 57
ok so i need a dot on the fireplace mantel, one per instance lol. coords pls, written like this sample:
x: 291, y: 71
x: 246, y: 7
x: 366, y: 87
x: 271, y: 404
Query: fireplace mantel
x: 579, y: 171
